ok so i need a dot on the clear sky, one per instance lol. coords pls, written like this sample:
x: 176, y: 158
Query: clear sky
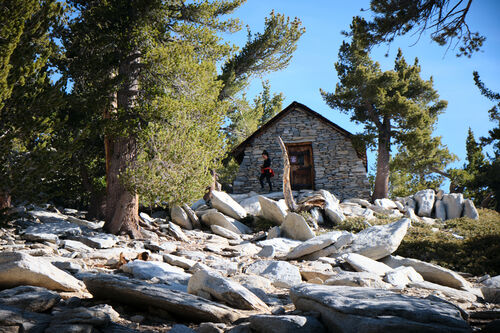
x: 312, y: 66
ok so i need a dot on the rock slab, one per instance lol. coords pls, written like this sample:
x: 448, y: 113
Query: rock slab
x: 295, y: 227
x: 354, y: 309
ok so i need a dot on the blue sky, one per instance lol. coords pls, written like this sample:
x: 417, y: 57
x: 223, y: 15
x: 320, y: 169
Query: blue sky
x: 312, y: 66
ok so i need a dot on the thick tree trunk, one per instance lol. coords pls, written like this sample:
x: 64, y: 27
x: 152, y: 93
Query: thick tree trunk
x: 382, y: 178
x: 4, y: 200
x: 122, y: 206
x: 287, y: 189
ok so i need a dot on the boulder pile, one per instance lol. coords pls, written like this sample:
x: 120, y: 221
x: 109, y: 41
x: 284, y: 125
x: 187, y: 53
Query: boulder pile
x: 205, y: 268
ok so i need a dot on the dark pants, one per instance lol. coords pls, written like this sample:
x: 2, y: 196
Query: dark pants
x: 267, y: 176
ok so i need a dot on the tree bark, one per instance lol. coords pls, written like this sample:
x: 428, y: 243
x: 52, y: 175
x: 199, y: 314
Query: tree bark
x: 4, y: 200
x: 122, y: 206
x: 384, y: 148
x: 287, y: 189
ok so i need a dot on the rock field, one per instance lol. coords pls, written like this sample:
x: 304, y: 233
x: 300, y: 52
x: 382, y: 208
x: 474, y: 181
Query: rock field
x: 205, y: 269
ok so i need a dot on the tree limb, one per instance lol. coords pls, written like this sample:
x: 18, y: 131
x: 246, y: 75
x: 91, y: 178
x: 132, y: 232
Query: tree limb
x: 287, y: 189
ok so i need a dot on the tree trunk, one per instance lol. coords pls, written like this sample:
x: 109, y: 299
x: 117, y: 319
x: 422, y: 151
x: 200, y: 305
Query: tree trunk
x: 382, y: 178
x: 287, y: 189
x: 122, y: 206
x: 4, y: 200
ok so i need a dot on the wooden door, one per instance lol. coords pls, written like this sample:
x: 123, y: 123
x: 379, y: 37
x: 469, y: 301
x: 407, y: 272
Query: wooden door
x: 301, y: 165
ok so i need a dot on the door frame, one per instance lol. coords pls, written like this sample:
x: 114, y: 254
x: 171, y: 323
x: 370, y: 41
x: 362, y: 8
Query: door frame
x: 313, y: 172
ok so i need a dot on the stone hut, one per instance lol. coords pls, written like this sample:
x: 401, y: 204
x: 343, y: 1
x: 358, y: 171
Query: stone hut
x: 322, y: 155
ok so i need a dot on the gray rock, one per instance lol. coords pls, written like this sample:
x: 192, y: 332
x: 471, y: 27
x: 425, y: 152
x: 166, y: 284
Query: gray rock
x: 272, y: 210
x: 226, y: 233
x: 146, y: 270
x: 18, y: 268
x: 430, y: 272
x: 164, y: 247
x: 225, y: 204
x: 356, y: 279
x: 281, y: 273
x: 317, y: 215
x: 51, y: 232
x: 180, y: 217
x: 75, y: 246
x: 195, y: 221
x: 177, y: 232
x: 332, y: 207
x: 410, y: 213
x: 69, y: 266
x: 314, y: 244
x: 243, y: 228
x: 425, y: 200
x: 78, y: 318
x: 180, y: 328
x: 454, y: 203
x: 491, y: 289
x: 354, y: 309
x: 267, y: 251
x: 98, y: 240
x: 295, y: 227
x: 285, y: 324
x: 379, y: 241
x: 274, y: 232
x: 470, y: 210
x: 224, y: 290
x: 440, y: 210
x: 252, y: 205
x: 15, y: 320
x: 364, y: 264
x: 138, y: 293
x: 29, y: 298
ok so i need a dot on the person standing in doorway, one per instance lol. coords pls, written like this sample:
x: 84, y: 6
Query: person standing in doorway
x: 266, y: 172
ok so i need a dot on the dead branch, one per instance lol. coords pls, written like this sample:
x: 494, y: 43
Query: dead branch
x: 287, y: 189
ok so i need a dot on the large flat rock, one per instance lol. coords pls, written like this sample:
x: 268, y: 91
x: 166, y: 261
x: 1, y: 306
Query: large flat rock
x: 272, y: 210
x: 281, y: 273
x: 146, y: 270
x: 183, y: 305
x: 17, y: 268
x: 430, y: 272
x: 221, y: 220
x: 30, y: 298
x: 379, y: 241
x: 285, y: 324
x: 225, y: 204
x: 295, y: 227
x: 13, y: 319
x: 314, y: 244
x: 354, y: 309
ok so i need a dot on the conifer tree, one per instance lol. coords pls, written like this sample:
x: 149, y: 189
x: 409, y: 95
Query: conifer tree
x: 396, y: 107
x: 148, y: 71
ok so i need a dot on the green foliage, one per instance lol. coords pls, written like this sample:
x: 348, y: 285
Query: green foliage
x: 396, y: 107
x: 446, y: 20
x: 228, y: 171
x: 477, y: 253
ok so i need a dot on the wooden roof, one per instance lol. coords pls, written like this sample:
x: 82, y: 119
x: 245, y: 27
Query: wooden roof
x: 238, y: 150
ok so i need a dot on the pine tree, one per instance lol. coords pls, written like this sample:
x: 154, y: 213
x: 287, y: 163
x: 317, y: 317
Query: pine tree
x: 395, y: 107
x: 148, y: 71
x: 28, y: 98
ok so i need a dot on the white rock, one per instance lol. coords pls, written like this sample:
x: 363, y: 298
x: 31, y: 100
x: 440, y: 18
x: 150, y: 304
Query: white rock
x: 399, y: 206
x: 379, y: 241
x: 430, y: 272
x: 454, y: 203
x: 146, y: 217
x: 146, y: 270
x: 317, y: 215
x: 75, y: 246
x: 361, y: 202
x: 272, y: 210
x: 225, y: 204
x: 296, y: 227
x: 18, y: 268
x: 179, y: 261
x: 180, y: 217
x: 225, y: 290
x: 314, y: 244
x: 220, y: 220
x: 282, y: 245
x: 425, y: 201
x: 460, y: 295
x: 281, y: 273
x: 345, y: 239
x: 470, y: 210
x: 386, y: 203
x: 98, y: 240
x: 401, y: 276
x: 252, y: 205
x: 195, y: 221
x: 363, y: 264
x: 226, y: 233
x: 410, y: 213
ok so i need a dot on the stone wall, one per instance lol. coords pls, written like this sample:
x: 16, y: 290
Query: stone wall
x: 337, y: 167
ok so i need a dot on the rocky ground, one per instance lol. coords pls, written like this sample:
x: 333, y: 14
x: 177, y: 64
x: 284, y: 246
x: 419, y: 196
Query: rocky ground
x: 205, y: 268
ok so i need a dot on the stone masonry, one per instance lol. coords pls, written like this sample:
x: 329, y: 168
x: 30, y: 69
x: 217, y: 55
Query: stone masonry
x: 337, y: 167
